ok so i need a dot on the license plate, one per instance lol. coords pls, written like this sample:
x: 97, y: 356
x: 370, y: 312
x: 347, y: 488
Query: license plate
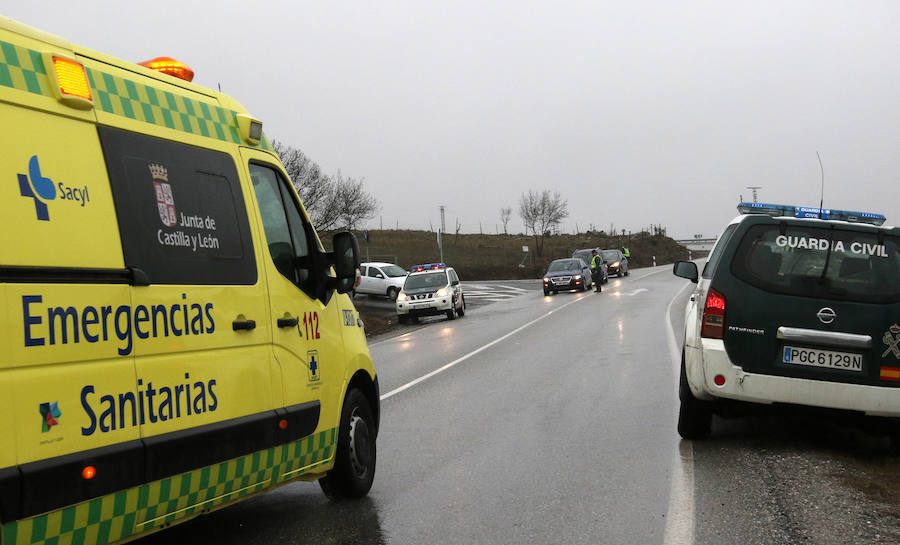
x: 822, y: 358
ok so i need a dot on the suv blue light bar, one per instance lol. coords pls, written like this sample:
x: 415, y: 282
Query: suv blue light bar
x: 427, y: 266
x: 808, y: 212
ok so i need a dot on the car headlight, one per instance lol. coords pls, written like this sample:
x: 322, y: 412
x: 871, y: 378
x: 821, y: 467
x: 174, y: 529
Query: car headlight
x: 401, y: 296
x: 443, y: 292
x: 615, y: 264
x: 577, y: 277
x: 546, y: 279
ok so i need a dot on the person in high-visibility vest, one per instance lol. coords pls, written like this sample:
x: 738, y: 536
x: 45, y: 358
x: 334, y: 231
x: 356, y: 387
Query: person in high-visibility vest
x: 597, y: 270
x: 626, y: 252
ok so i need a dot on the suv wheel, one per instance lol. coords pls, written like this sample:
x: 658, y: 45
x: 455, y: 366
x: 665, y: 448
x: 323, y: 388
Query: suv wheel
x: 461, y: 311
x: 451, y: 314
x: 694, y: 415
x: 392, y: 293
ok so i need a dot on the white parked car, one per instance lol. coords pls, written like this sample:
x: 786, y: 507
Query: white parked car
x: 381, y: 279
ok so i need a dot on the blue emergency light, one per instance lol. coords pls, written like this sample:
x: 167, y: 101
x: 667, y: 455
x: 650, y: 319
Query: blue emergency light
x: 427, y: 266
x: 810, y: 212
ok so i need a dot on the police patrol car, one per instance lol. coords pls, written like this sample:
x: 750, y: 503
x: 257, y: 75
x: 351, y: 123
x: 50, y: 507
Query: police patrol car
x: 795, y: 306
x: 430, y: 290
x: 175, y: 337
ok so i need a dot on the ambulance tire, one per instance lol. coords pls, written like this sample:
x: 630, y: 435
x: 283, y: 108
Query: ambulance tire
x: 694, y: 415
x: 354, y: 461
x: 461, y: 311
x: 451, y: 314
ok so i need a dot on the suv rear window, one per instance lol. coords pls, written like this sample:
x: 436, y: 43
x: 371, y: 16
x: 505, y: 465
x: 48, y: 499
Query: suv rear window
x: 822, y: 262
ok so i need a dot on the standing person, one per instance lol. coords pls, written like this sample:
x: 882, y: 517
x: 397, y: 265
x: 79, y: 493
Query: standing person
x: 626, y: 252
x: 597, y: 270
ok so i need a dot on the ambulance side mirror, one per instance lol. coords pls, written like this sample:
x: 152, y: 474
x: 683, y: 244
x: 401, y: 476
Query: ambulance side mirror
x: 345, y: 258
x: 685, y: 269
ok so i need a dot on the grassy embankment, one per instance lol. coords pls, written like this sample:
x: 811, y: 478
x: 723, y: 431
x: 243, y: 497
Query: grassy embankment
x: 497, y: 257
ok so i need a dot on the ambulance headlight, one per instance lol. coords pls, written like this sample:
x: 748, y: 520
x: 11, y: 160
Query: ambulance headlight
x: 443, y: 292
x: 401, y: 297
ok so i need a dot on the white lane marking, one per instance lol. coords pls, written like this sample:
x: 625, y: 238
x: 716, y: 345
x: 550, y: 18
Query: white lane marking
x: 680, y: 518
x: 491, y: 295
x: 466, y: 287
x: 513, y: 288
x: 630, y: 293
x: 398, y: 337
x: 477, y: 350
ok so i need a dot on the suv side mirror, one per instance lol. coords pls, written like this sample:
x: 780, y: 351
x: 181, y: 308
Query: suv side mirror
x: 345, y: 258
x: 454, y: 283
x: 685, y: 269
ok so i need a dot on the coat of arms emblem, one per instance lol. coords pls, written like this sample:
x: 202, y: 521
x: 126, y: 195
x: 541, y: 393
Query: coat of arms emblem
x: 164, y: 199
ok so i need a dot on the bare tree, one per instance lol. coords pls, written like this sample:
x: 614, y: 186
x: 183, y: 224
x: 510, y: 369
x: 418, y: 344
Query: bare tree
x: 352, y: 203
x: 316, y: 189
x: 542, y: 212
x: 505, y: 214
x: 332, y: 201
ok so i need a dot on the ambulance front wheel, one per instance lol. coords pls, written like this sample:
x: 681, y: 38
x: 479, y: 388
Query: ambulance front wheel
x: 354, y: 461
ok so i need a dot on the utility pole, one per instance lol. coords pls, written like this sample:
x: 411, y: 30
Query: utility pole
x: 440, y: 236
x: 754, y: 188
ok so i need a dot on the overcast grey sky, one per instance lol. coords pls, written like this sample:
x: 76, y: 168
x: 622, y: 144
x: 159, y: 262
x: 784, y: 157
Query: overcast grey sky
x: 639, y: 113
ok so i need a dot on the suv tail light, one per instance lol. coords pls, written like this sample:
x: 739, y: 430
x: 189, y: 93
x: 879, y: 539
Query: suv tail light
x: 713, y: 325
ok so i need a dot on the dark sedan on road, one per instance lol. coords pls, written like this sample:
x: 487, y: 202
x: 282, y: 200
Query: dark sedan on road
x: 616, y: 262
x: 567, y: 274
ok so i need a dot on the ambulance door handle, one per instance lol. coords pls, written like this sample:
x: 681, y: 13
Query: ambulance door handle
x: 288, y: 322
x: 243, y: 324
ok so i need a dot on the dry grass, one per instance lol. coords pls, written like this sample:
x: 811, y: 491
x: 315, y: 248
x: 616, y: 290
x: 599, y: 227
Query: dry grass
x: 497, y: 257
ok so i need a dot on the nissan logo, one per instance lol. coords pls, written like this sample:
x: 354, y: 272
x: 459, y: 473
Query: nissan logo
x: 826, y: 315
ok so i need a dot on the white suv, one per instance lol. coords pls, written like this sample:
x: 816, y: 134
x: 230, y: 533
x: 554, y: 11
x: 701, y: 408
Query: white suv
x: 430, y: 290
x: 381, y: 279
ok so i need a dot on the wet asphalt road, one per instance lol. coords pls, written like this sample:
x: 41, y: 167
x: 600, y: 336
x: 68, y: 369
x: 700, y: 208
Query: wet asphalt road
x: 553, y: 421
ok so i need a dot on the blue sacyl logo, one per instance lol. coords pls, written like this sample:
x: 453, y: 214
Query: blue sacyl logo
x: 42, y: 189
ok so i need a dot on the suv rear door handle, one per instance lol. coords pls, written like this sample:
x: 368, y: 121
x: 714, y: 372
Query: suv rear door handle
x: 243, y: 324
x: 288, y: 322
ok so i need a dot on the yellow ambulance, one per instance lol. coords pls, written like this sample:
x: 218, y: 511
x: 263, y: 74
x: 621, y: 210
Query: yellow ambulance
x: 174, y: 336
